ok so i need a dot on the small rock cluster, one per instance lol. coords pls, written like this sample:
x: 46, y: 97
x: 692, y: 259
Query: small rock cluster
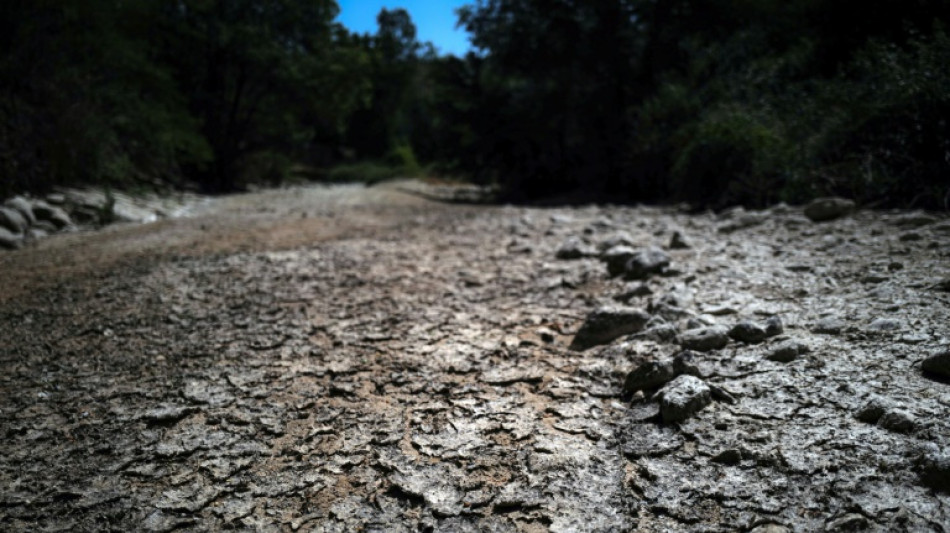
x: 25, y: 219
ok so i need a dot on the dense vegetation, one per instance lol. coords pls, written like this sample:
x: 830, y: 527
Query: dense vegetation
x: 708, y: 101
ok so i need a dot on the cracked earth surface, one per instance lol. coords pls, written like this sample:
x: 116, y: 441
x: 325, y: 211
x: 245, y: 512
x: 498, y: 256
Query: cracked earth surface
x: 352, y: 359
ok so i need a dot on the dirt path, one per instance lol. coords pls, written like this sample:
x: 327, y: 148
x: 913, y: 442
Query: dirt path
x: 351, y: 359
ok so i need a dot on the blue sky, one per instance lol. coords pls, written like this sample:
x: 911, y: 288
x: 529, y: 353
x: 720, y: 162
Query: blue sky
x: 434, y: 19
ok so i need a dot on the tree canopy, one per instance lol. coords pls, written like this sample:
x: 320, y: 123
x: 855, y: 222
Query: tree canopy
x: 708, y: 101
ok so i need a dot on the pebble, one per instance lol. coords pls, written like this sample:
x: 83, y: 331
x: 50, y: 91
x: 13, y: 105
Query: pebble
x: 828, y: 326
x: 633, y: 290
x: 616, y: 259
x: 774, y: 326
x: 786, y: 351
x: 884, y: 324
x: 683, y: 397
x: 648, y: 376
x: 823, y: 209
x: 748, y: 332
x: 608, y: 323
x: 938, y: 365
x: 873, y: 410
x: 573, y: 248
x: 731, y: 456
x: 935, y: 470
x: 646, y: 262
x: 678, y: 241
x: 897, y: 420
x: 704, y: 339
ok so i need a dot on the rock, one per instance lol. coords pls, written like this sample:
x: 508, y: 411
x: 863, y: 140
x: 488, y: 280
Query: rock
x: 934, y: 468
x: 704, y: 339
x: 742, y: 221
x: 616, y: 259
x: 770, y: 528
x: 618, y: 239
x: 22, y: 205
x: 897, y: 420
x: 606, y: 324
x: 632, y: 291
x: 823, y: 209
x: 848, y: 522
x: 786, y: 351
x: 884, y: 324
x: 649, y: 376
x: 573, y: 248
x: 56, y: 198
x: 774, y: 326
x: 683, y: 397
x: 914, y: 220
x: 828, y: 326
x: 937, y: 365
x: 910, y: 236
x: 645, y: 262
x: 730, y: 456
x: 748, y: 332
x: 9, y: 240
x: 659, y: 333
x: 12, y: 220
x: 57, y: 216
x: 873, y: 410
x: 678, y: 241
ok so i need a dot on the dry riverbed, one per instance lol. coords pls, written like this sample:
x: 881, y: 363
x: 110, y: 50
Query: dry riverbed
x: 363, y: 359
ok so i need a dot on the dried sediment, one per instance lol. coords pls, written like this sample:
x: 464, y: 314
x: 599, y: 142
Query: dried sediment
x: 416, y: 373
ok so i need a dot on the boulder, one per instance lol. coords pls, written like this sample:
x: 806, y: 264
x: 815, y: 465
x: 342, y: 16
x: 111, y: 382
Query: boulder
x: 22, y: 205
x: 748, y: 332
x: 12, y: 220
x: 934, y: 471
x: 49, y: 213
x: 9, y: 240
x: 823, y: 209
x: 606, y: 324
x: 573, y: 248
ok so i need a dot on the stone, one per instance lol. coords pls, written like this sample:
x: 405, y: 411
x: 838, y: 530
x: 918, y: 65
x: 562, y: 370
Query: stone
x: 848, y: 522
x: 616, y: 259
x: 12, y: 220
x: 873, y: 410
x: 828, y: 326
x: 618, y: 239
x: 646, y: 262
x: 914, y: 220
x: 659, y: 333
x: 608, y: 323
x: 678, y: 241
x: 748, y: 332
x: 22, y: 205
x: 9, y: 240
x: 573, y: 248
x: 897, y: 420
x: 633, y: 290
x: 649, y: 376
x: 824, y: 209
x: 786, y: 351
x: 47, y: 212
x: 683, y: 397
x: 742, y: 221
x: 934, y: 468
x: 884, y: 324
x: 729, y: 456
x: 704, y: 339
x: 774, y: 326
x: 770, y: 528
x: 937, y: 365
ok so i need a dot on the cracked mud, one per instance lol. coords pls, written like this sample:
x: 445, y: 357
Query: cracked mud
x: 352, y: 359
